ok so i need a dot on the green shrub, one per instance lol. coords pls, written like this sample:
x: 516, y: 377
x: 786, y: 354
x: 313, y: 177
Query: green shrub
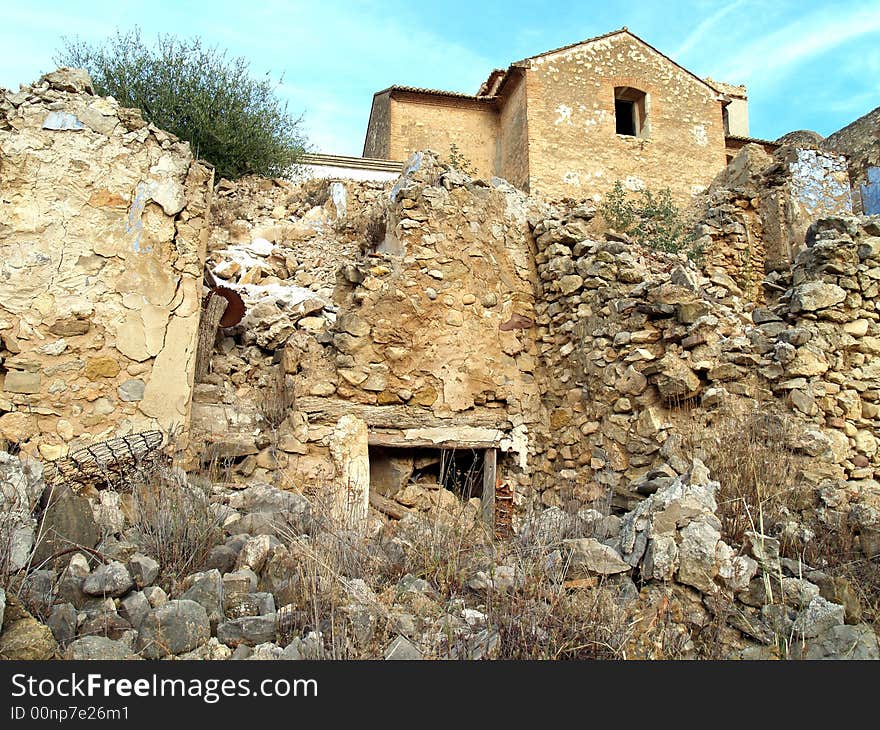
x: 231, y: 119
x: 649, y: 218
x: 459, y: 161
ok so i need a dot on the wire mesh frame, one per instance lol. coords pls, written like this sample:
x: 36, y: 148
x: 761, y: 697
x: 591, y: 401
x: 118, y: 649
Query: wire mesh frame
x: 109, y: 462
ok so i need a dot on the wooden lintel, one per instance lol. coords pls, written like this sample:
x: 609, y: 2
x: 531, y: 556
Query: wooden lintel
x: 399, y: 416
x: 396, y: 441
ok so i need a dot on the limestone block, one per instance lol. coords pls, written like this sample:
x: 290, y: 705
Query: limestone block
x: 350, y: 497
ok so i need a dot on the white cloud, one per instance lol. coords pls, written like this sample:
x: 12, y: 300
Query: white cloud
x: 776, y: 54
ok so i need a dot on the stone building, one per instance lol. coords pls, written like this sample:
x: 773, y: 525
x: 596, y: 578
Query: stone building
x: 571, y: 121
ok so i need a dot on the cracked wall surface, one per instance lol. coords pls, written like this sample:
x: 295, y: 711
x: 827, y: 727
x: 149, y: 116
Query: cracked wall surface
x: 103, y: 229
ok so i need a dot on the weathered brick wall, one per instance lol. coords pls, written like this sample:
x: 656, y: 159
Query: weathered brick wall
x: 378, y: 142
x: 574, y: 149
x: 514, y: 133
x: 103, y: 228
x: 418, y: 123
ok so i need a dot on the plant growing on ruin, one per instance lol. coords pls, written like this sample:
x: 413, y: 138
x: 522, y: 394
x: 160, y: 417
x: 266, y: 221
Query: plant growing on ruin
x: 459, y: 161
x: 649, y: 218
x: 231, y: 119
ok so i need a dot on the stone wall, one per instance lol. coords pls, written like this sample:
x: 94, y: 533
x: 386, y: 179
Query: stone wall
x: 758, y: 209
x: 860, y: 142
x: 804, y: 184
x: 643, y: 353
x: 514, y: 138
x: 427, y: 338
x: 103, y: 226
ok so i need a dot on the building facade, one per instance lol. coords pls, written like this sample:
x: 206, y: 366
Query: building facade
x: 572, y: 121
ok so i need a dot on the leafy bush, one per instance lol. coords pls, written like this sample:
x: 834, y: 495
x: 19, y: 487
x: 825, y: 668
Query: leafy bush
x: 198, y: 94
x: 649, y: 218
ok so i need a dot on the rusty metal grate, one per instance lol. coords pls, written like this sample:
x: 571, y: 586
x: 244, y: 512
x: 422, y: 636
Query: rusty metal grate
x: 107, y: 462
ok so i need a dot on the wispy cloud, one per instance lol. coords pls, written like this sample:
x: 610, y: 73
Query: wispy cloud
x: 778, y: 54
x: 700, y: 32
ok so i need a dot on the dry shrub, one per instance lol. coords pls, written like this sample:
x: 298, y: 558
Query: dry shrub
x: 175, y: 522
x: 838, y: 552
x: 750, y: 455
x: 542, y: 617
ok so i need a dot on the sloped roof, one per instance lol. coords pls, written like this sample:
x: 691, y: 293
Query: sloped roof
x: 433, y: 92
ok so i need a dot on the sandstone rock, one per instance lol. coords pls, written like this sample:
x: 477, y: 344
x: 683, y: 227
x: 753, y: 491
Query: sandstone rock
x: 27, y: 640
x: 697, y: 556
x: 674, y: 379
x: 293, y: 508
x: 843, y: 642
x: 134, y: 608
x: 132, y: 390
x: 176, y: 627
x: 62, y: 623
x: 156, y: 596
x: 72, y: 80
x: 249, y: 630
x: 101, y: 367
x: 67, y: 522
x: 254, y: 552
x: 21, y: 486
x: 818, y: 617
x: 21, y: 381
x: 815, y: 295
x: 351, y: 488
x: 402, y: 649
x: 632, y: 382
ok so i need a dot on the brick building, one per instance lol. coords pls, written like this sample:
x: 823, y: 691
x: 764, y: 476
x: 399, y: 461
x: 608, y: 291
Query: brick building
x: 571, y: 121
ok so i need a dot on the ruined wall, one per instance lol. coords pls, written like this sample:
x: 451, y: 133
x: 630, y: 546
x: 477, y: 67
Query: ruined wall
x: 103, y: 225
x: 574, y: 149
x: 803, y: 185
x: 514, y: 135
x: 427, y: 340
x: 436, y: 332
x: 419, y: 123
x: 860, y: 142
x: 378, y: 140
x: 643, y: 353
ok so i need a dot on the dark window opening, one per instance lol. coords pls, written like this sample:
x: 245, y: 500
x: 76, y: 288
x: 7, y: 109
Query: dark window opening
x: 725, y: 116
x: 624, y: 114
x: 630, y: 112
x: 458, y: 470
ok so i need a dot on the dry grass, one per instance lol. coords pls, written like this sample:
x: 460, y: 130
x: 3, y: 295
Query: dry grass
x: 750, y: 455
x: 175, y: 523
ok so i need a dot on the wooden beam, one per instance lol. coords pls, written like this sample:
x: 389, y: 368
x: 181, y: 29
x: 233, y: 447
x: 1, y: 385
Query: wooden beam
x: 396, y: 441
x: 400, y: 417
x: 207, y: 334
x: 487, y: 504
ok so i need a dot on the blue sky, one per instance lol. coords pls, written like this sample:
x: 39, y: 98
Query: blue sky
x: 807, y: 64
